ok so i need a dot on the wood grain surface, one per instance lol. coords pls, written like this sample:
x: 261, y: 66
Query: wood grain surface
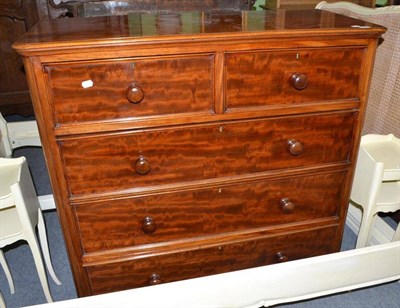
x: 171, y: 85
x: 195, y: 143
x: 209, y: 261
x: 203, y: 152
x: 262, y: 78
x: 188, y: 214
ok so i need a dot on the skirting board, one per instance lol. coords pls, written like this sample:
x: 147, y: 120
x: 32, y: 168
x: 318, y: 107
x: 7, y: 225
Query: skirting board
x: 47, y: 202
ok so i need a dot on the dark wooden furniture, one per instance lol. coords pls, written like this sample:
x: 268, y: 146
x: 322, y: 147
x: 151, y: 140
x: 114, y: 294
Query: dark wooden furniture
x: 90, y: 8
x: 183, y: 145
x: 16, y: 17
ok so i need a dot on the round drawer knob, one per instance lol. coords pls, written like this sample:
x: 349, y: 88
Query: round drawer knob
x: 287, y: 206
x: 299, y: 81
x: 281, y: 257
x: 135, y: 93
x: 295, y: 147
x: 154, y: 279
x: 149, y: 226
x: 142, y: 166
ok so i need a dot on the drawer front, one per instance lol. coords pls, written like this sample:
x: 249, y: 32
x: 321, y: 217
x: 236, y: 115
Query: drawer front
x: 189, y: 214
x: 209, y: 261
x: 256, y: 79
x: 101, y: 91
x: 139, y: 159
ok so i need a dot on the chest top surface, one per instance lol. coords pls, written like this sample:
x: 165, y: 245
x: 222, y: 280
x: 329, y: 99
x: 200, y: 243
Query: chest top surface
x: 163, y: 27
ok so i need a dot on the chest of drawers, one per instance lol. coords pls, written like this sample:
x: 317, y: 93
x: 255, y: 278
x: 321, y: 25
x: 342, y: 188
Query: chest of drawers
x: 177, y: 150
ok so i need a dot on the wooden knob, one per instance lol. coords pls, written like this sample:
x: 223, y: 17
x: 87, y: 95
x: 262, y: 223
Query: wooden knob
x: 142, y: 166
x: 154, y: 279
x: 287, y: 206
x: 149, y: 226
x: 134, y: 93
x: 299, y: 81
x: 281, y: 257
x: 295, y: 147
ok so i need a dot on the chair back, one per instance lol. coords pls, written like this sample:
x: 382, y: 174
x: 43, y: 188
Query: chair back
x: 5, y: 147
x: 18, y: 200
x: 367, y: 179
x: 10, y: 173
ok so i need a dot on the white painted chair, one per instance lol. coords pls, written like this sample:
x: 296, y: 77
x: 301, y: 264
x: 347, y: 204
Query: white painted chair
x: 17, y: 134
x: 19, y: 215
x: 6, y: 270
x: 376, y: 186
x: 2, y: 303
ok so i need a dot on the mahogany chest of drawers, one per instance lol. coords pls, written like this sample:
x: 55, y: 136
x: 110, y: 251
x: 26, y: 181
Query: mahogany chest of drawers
x: 189, y: 144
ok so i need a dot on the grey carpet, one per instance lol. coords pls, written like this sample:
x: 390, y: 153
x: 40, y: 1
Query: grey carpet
x: 28, y: 290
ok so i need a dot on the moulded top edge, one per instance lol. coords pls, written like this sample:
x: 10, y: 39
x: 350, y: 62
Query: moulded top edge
x: 188, y: 26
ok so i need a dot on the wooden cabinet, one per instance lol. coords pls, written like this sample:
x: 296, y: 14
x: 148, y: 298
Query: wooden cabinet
x: 90, y: 8
x: 191, y: 144
x: 16, y: 17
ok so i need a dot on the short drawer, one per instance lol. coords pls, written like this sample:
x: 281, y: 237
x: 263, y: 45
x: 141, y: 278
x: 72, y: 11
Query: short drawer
x: 127, y: 160
x: 189, y: 214
x: 262, y: 78
x: 208, y: 261
x: 116, y: 89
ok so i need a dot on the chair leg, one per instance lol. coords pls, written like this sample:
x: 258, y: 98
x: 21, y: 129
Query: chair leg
x: 6, y: 269
x: 34, y: 246
x: 364, y: 232
x: 2, y: 302
x: 396, y: 236
x: 45, y: 247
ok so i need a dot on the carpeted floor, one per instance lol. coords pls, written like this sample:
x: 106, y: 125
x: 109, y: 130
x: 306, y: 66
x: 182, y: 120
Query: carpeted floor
x: 28, y: 290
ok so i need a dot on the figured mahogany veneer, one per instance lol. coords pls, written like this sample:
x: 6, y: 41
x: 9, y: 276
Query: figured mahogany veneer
x: 136, y: 159
x: 156, y: 86
x: 189, y: 144
x: 211, y: 260
x: 187, y: 214
x: 263, y: 78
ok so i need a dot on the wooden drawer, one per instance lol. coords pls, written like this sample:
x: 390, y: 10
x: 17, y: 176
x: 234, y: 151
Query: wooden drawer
x: 105, y: 90
x: 188, y: 214
x: 138, y: 159
x: 208, y: 261
x: 259, y: 79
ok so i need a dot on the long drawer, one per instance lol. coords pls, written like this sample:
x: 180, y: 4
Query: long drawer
x: 189, y: 214
x: 126, y: 88
x: 175, y: 266
x: 262, y: 78
x: 137, y: 159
